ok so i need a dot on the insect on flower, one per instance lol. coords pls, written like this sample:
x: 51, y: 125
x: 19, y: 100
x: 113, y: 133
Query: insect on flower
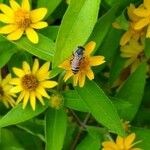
x: 76, y: 60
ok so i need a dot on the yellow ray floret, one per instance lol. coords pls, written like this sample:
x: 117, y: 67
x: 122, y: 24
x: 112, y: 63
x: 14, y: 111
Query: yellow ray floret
x: 20, y: 19
x: 32, y: 83
x: 85, y: 66
x: 122, y: 143
x: 6, y: 96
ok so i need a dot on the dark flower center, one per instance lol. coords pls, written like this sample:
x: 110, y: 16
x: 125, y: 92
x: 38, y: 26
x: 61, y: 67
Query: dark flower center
x: 29, y: 82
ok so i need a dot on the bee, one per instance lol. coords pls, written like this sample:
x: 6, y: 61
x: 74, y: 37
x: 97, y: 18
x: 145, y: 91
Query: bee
x: 76, y: 60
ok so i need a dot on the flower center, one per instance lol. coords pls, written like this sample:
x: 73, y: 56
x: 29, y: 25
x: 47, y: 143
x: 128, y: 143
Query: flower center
x: 84, y: 64
x: 29, y: 82
x: 1, y: 91
x: 22, y: 18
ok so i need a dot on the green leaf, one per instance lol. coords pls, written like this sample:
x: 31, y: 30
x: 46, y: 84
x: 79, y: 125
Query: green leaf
x: 55, y: 129
x: 142, y: 135
x: 44, y: 49
x: 132, y: 92
x: 100, y: 106
x: 102, y: 26
x: 50, y: 5
x: 18, y: 114
x: 77, y: 25
x: 6, y: 51
x: 89, y: 143
x: 73, y: 101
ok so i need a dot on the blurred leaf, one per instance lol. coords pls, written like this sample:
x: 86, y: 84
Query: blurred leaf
x: 142, y: 135
x: 147, y: 47
x: 50, y: 32
x: 18, y: 114
x: 34, y: 128
x: 76, y: 27
x: 102, y: 26
x: 116, y: 68
x: 100, y: 106
x: 55, y: 129
x: 44, y: 49
x: 8, y: 141
x: 18, y: 58
x: 6, y: 51
x: 50, y: 5
x: 132, y: 92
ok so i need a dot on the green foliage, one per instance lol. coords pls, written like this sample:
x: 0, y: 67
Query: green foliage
x: 87, y: 115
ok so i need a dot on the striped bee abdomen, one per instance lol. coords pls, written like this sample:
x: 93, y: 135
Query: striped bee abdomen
x: 77, y: 58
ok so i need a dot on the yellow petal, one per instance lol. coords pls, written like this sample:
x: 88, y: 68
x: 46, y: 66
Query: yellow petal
x: 126, y: 38
x: 18, y: 72
x: 75, y: 79
x: 8, y: 29
x: 35, y: 66
x: 20, y: 97
x: 141, y: 23
x: 26, y: 67
x: 39, y: 25
x: 68, y: 75
x: 14, y: 5
x: 119, y: 141
x: 15, y: 81
x: 65, y: 65
x: 38, y: 14
x: 81, y: 79
x: 96, y: 60
x: 129, y: 140
x: 141, y: 12
x: 16, y: 89
x: 48, y: 84
x: 15, y: 35
x: 43, y: 73
x: 25, y: 5
x: 32, y: 100
x: 6, y: 19
x: 136, y: 149
x: 90, y: 74
x: 6, y: 10
x: 89, y: 47
x: 6, y: 80
x: 109, y: 144
x: 25, y: 100
x: 148, y: 32
x: 32, y: 35
x: 39, y: 97
x: 147, y: 4
x: 42, y: 91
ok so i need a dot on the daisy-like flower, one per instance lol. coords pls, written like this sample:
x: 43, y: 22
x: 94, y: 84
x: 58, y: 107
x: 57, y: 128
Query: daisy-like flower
x: 6, y: 96
x: 31, y: 83
x: 131, y: 32
x: 84, y: 67
x: 21, y: 19
x: 134, y: 52
x: 143, y: 11
x: 122, y: 143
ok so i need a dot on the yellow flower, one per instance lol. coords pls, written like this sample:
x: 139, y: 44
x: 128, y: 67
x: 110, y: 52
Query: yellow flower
x: 122, y: 143
x: 5, y: 92
x: 134, y: 52
x: 31, y: 83
x: 143, y: 11
x: 85, y: 66
x: 21, y: 19
x: 131, y: 32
